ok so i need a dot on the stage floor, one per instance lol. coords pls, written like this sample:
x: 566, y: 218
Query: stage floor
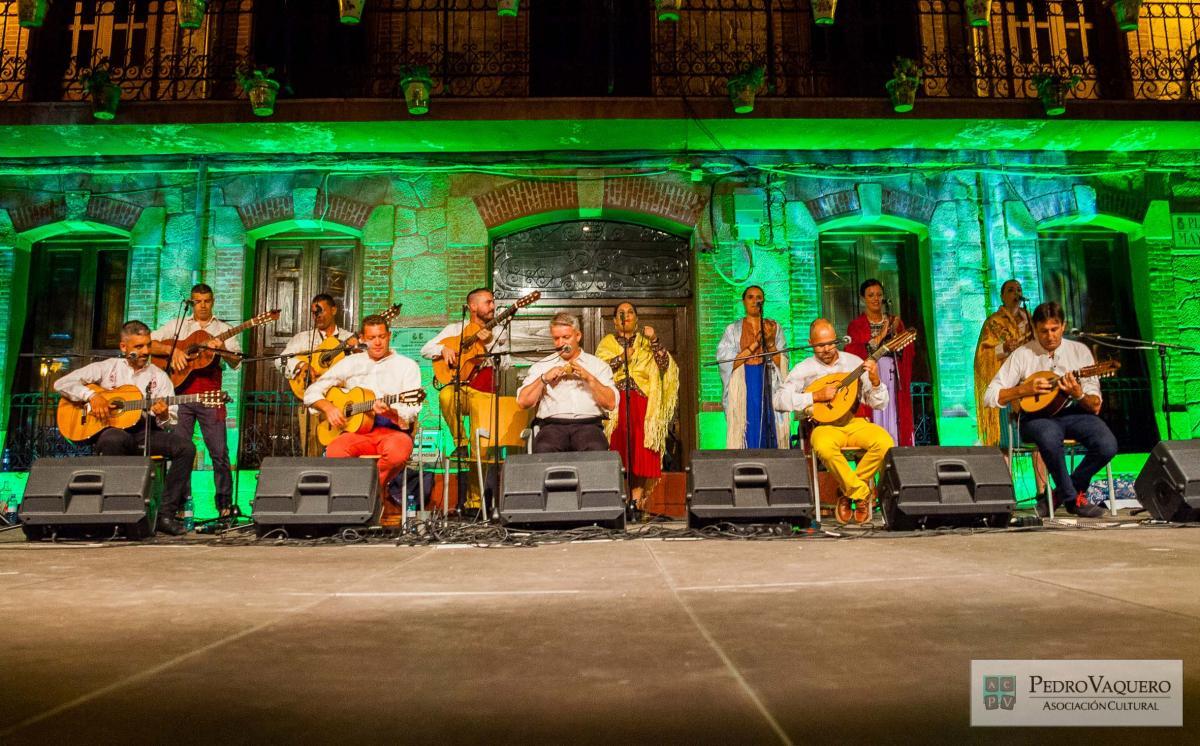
x: 867, y: 639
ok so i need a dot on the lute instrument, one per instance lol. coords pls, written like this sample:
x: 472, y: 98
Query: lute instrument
x: 355, y: 405
x: 323, y: 356
x: 472, y: 350
x: 126, y: 404
x: 841, y: 409
x: 199, y: 356
x: 1055, y: 400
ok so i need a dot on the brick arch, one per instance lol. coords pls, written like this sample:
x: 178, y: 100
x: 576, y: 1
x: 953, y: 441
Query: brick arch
x: 54, y: 217
x: 271, y: 215
x: 518, y: 205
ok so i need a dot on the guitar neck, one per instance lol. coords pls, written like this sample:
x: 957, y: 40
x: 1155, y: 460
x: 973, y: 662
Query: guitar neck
x: 388, y: 399
x: 133, y: 404
x: 236, y: 330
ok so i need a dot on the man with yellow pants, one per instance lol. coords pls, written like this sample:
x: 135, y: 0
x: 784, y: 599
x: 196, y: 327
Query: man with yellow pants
x: 828, y: 441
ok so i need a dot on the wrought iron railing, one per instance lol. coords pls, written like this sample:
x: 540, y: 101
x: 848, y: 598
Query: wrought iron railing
x: 471, y: 52
x: 33, y: 433
x: 270, y: 427
x: 924, y: 419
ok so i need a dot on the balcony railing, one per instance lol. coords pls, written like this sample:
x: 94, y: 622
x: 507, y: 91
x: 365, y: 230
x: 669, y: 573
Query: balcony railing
x: 472, y: 52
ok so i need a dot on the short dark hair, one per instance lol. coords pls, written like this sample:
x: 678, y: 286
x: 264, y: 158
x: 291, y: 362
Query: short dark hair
x: 1048, y: 311
x: 753, y: 287
x: 374, y: 320
x: 325, y: 297
x: 201, y: 288
x: 625, y: 303
x: 471, y: 295
x: 134, y: 328
x: 1006, y: 283
x: 866, y: 284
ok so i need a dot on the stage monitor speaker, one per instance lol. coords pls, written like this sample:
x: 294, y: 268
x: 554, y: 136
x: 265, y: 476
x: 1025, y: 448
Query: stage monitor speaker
x: 933, y: 486
x: 563, y: 489
x: 312, y: 495
x: 90, y: 496
x: 1169, y: 484
x: 749, y: 486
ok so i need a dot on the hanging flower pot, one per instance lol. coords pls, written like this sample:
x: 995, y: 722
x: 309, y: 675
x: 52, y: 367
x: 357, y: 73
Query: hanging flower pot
x: 979, y: 12
x: 668, y: 10
x: 744, y: 87
x: 507, y: 8
x: 1125, y: 11
x: 32, y: 13
x: 823, y: 11
x: 1052, y: 89
x: 190, y: 13
x: 350, y: 11
x: 106, y: 95
x: 906, y: 80
x: 260, y: 88
x: 416, y: 85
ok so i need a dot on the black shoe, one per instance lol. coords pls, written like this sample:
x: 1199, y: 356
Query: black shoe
x: 1042, y: 510
x: 1086, y: 509
x: 168, y: 525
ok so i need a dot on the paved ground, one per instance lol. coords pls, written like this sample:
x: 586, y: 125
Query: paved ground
x: 636, y: 641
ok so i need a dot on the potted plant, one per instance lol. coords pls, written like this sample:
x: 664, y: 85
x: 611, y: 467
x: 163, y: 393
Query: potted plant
x: 106, y: 95
x: 416, y: 85
x: 1052, y: 88
x: 906, y: 79
x: 823, y: 11
x: 979, y: 12
x: 259, y: 87
x: 350, y: 11
x: 668, y: 10
x: 743, y: 87
x: 1125, y: 11
x: 507, y: 7
x: 190, y: 13
x: 31, y: 13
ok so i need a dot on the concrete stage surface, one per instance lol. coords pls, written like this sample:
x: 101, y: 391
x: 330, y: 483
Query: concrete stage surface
x: 642, y: 641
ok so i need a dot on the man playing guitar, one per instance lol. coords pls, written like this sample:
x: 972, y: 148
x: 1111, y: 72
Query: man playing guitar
x: 133, y: 367
x: 324, y: 314
x: 1048, y: 351
x: 383, y: 372
x: 857, y: 433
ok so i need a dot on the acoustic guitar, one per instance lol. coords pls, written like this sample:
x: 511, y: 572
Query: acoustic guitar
x: 840, y: 409
x: 1055, y: 400
x: 323, y: 356
x: 472, y: 350
x: 355, y: 405
x: 77, y: 423
x: 199, y: 356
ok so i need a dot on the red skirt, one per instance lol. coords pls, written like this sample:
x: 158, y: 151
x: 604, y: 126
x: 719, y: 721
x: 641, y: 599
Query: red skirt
x: 646, y: 463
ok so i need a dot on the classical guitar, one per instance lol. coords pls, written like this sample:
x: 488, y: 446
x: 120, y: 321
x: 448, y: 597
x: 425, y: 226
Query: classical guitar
x: 199, y: 356
x: 324, y: 355
x: 77, y: 423
x: 840, y: 409
x: 1053, y: 401
x: 355, y: 405
x: 472, y: 350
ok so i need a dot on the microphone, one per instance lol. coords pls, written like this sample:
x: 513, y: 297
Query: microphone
x: 887, y: 303
x: 565, y: 350
x: 135, y: 356
x: 1076, y: 333
x: 189, y: 302
x: 844, y: 340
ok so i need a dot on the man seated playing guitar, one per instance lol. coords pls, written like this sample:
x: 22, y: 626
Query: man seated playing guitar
x: 133, y: 368
x: 1048, y: 351
x: 383, y: 372
x: 854, y: 433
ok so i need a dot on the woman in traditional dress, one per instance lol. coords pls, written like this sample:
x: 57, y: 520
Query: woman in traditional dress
x: 867, y: 333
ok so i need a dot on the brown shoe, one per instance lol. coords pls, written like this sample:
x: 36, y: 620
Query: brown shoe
x: 862, y: 509
x: 844, y: 512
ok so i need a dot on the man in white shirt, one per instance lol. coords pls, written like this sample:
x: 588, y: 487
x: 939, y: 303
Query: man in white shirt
x: 382, y: 372
x: 573, y: 392
x: 476, y: 392
x: 211, y: 419
x: 1078, y: 421
x: 857, y: 434
x: 133, y: 368
x: 324, y: 311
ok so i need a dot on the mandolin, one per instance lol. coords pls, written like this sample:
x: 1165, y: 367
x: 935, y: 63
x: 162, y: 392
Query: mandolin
x: 324, y: 355
x: 77, y: 423
x: 841, y: 408
x: 1055, y: 400
x: 355, y: 405
x: 199, y: 356
x: 472, y: 350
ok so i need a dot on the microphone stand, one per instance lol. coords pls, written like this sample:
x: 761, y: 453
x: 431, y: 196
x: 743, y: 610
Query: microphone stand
x: 456, y: 410
x: 632, y: 509
x: 764, y: 408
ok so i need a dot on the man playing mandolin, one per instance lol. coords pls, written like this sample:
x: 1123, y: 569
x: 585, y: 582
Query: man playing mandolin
x: 382, y: 372
x: 324, y: 311
x: 855, y: 433
x: 208, y: 378
x: 1078, y: 420
x: 132, y: 368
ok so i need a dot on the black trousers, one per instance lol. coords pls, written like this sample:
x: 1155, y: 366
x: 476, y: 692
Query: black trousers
x: 212, y: 429
x: 562, y: 437
x: 177, y: 449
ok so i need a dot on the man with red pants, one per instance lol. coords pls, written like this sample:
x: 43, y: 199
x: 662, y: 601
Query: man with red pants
x: 383, y: 372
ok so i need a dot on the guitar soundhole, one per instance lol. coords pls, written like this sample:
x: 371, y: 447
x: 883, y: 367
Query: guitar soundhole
x: 117, y: 406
